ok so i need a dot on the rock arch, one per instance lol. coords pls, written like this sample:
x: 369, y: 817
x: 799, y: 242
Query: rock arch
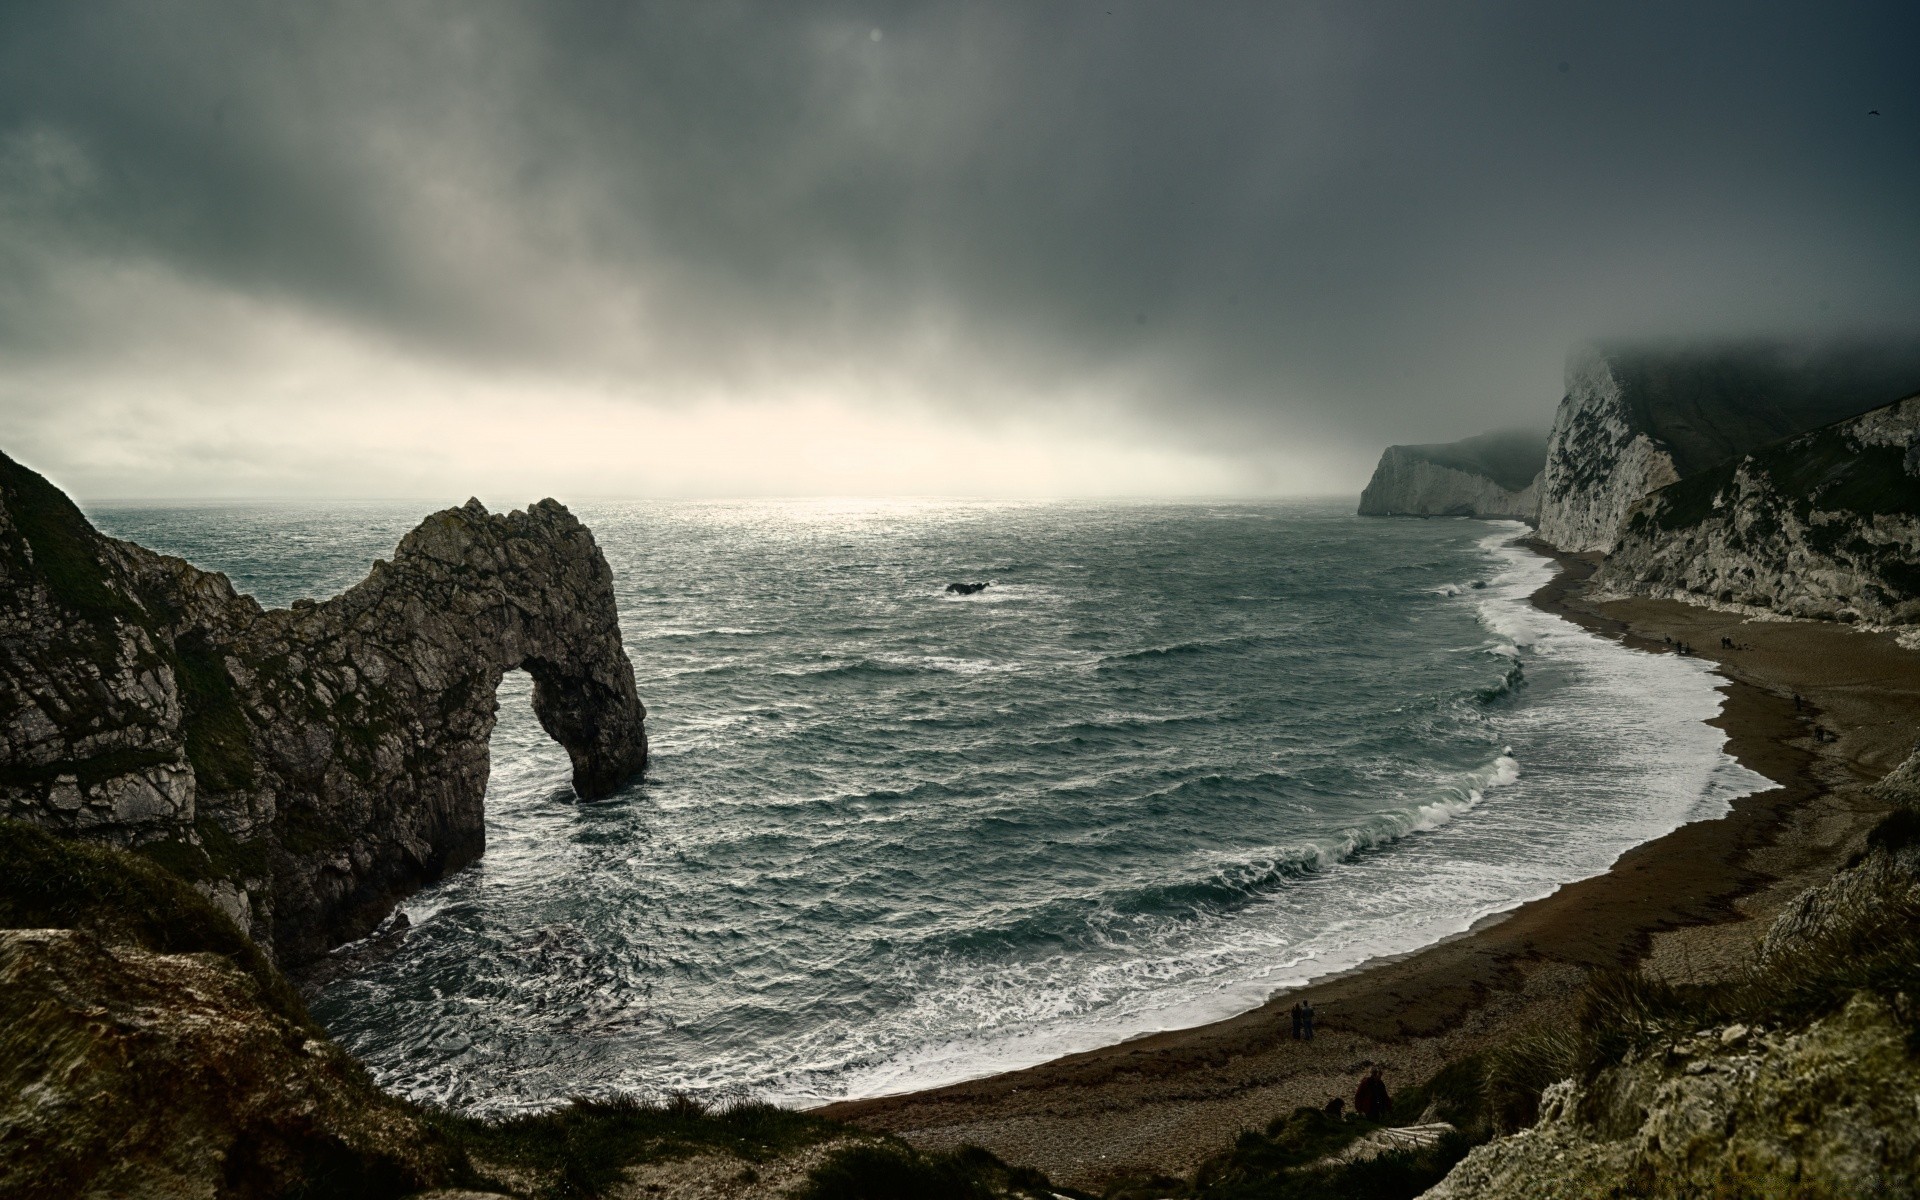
x: 305, y: 767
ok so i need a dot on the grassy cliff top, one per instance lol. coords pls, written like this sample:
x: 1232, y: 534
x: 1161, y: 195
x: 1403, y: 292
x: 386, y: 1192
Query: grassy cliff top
x: 1710, y: 403
x: 1511, y: 458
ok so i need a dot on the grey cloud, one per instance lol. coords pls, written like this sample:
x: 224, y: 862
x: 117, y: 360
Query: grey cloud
x: 1381, y: 222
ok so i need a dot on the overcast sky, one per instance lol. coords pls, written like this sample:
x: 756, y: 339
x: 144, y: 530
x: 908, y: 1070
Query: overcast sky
x: 1044, y: 248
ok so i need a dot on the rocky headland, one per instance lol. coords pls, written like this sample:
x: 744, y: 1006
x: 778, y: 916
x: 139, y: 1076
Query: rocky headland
x: 306, y: 767
x: 1495, y: 475
x: 1823, y: 526
x: 1636, y: 418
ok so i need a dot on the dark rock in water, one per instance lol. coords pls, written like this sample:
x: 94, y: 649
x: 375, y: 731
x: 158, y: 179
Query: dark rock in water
x: 304, y: 767
x: 966, y: 589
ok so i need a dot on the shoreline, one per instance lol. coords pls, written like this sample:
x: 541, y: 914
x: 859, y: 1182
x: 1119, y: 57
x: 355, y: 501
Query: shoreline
x: 1687, y: 905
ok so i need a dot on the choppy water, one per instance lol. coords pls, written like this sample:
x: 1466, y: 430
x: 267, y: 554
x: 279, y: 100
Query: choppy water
x: 1176, y: 757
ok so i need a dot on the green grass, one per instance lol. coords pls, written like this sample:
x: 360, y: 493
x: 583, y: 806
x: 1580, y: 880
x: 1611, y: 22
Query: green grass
x: 1510, y: 458
x: 219, y: 739
x: 1821, y: 470
x: 583, y: 1149
x: 89, y: 771
x: 64, y: 545
x: 1714, y: 402
x: 1282, y: 1162
x: 893, y: 1171
x: 56, y: 883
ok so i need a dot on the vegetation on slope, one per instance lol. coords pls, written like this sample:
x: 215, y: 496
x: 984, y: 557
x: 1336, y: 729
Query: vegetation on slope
x: 1715, y: 402
x: 50, y: 882
x: 1511, y: 458
x: 1820, y: 471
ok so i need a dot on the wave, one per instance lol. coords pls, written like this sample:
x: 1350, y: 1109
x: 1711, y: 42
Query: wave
x: 1510, y: 682
x: 859, y: 668
x: 671, y: 634
x: 1177, y: 649
x: 1129, y: 722
x: 1233, y: 883
x: 950, y: 664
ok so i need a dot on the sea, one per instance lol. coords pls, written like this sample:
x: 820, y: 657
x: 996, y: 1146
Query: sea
x: 1174, y: 758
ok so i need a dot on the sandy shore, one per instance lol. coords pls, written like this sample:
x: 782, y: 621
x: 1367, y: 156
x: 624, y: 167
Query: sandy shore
x: 1687, y: 905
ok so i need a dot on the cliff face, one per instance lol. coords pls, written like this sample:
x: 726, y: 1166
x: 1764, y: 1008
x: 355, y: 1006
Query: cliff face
x: 1775, y: 1107
x: 1495, y: 475
x: 1825, y: 525
x: 1636, y: 419
x: 305, y: 767
x: 1598, y: 461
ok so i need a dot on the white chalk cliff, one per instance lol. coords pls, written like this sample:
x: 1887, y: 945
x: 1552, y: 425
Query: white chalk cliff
x: 1496, y: 475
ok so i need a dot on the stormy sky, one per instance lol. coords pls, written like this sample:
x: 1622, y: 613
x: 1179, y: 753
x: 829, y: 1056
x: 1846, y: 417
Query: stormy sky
x: 1038, y: 248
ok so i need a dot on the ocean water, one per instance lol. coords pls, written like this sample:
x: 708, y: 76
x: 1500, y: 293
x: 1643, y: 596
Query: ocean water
x: 1176, y: 757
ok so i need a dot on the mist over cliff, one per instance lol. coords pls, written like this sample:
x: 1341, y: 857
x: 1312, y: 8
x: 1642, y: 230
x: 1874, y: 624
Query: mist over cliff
x: 1492, y: 475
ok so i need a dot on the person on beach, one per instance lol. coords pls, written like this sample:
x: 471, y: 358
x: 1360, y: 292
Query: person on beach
x: 1298, y: 1021
x: 1306, y: 1020
x: 1370, y: 1099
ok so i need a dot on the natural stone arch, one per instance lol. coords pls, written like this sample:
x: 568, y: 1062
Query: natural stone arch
x: 418, y: 651
x: 306, y: 767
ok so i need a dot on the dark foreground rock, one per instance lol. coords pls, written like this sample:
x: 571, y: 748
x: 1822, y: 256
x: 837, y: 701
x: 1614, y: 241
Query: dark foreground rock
x: 304, y: 767
x: 129, y: 1073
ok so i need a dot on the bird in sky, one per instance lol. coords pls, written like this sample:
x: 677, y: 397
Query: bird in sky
x: 1874, y: 113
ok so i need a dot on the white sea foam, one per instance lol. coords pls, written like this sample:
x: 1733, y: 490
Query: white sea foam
x: 859, y: 866
x: 1652, y: 764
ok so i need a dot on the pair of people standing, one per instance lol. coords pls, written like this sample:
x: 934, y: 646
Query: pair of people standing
x: 1303, y: 1021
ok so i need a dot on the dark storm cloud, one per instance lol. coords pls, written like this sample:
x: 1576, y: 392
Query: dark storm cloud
x: 1382, y: 221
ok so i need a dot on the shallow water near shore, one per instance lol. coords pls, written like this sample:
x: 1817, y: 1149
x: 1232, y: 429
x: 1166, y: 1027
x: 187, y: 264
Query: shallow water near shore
x: 1175, y: 757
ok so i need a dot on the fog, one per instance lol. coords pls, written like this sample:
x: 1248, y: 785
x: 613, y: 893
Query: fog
x: 874, y: 249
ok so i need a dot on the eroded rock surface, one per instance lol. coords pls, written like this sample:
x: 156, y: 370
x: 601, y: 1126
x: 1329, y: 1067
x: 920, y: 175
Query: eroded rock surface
x: 129, y: 1073
x: 1637, y: 418
x: 1825, y: 525
x: 305, y: 767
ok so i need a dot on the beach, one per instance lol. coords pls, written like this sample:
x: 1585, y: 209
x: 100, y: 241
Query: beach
x: 1688, y: 905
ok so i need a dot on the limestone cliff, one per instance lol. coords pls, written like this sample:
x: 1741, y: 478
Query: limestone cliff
x: 1494, y: 475
x: 1635, y: 419
x: 1824, y: 525
x: 1768, y: 1103
x: 305, y: 767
